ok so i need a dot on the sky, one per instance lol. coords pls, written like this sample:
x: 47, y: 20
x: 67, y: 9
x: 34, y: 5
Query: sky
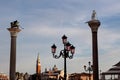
x: 46, y: 21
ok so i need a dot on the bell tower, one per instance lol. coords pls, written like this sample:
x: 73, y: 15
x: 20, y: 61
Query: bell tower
x: 38, y: 65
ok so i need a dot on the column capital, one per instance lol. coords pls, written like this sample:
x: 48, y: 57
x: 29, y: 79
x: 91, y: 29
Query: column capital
x: 94, y: 25
x: 13, y: 31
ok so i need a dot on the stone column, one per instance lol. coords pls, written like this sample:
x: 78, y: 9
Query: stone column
x: 94, y: 25
x: 118, y: 76
x: 13, y: 33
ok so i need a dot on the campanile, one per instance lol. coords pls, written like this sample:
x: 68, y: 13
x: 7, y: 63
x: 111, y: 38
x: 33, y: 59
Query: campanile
x: 38, y: 65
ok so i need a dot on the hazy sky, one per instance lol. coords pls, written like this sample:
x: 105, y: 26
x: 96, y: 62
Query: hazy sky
x: 46, y: 21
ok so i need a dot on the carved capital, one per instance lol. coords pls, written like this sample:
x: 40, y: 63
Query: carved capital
x: 14, y: 31
x: 94, y: 25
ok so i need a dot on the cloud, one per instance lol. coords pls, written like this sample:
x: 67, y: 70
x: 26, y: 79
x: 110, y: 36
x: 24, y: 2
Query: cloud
x: 47, y: 20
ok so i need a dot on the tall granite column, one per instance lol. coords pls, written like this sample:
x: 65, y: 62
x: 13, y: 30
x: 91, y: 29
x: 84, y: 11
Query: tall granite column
x: 14, y: 29
x: 94, y: 25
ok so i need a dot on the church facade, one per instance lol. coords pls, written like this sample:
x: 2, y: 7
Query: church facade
x: 51, y: 74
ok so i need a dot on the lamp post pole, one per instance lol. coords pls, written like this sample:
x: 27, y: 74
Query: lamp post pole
x: 64, y: 53
x: 89, y: 69
x: 14, y: 29
x: 94, y: 25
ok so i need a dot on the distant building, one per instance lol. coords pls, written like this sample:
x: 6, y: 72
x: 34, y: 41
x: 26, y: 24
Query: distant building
x: 112, y: 74
x: 75, y: 76
x: 37, y: 75
x: 38, y: 65
x: 26, y: 76
x: 80, y: 76
x: 3, y: 76
x: 53, y: 74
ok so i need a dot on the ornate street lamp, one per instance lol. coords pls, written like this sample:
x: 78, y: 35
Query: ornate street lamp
x: 89, y: 69
x: 94, y: 25
x: 67, y: 52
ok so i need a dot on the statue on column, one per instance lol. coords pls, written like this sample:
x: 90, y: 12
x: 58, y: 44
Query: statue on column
x: 14, y: 24
x: 93, y: 15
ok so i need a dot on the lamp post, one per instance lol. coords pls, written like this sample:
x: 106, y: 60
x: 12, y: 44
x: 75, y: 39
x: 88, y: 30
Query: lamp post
x: 14, y: 30
x: 89, y: 69
x: 67, y: 52
x: 94, y: 25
